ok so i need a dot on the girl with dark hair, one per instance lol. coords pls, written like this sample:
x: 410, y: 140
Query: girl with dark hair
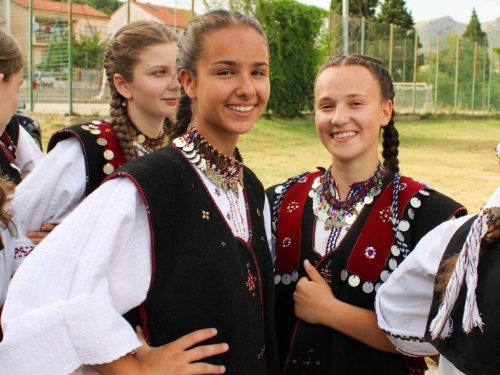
x: 177, y: 240
x: 140, y: 69
x: 444, y: 298
x: 18, y: 153
x: 341, y: 231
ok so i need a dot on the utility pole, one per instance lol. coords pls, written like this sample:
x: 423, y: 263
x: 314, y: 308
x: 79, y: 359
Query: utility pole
x: 345, y: 25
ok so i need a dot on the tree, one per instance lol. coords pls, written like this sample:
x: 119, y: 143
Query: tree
x: 395, y: 11
x: 473, y: 31
x: 293, y: 31
x: 357, y: 8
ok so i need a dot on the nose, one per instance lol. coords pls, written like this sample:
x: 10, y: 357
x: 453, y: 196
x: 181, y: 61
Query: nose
x: 245, y: 88
x: 340, y: 116
x: 174, y: 82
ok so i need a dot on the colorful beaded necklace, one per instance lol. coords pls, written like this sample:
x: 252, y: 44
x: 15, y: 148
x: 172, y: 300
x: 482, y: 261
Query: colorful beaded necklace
x: 225, y: 172
x: 148, y: 144
x: 337, y: 213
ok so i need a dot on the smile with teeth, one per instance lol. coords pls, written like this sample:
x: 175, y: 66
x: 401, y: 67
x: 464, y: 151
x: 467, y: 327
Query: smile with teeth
x: 241, y: 108
x: 343, y: 135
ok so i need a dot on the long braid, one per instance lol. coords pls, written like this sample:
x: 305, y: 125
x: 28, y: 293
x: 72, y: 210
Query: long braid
x: 184, y: 116
x: 120, y: 121
x: 390, y: 146
x: 121, y: 57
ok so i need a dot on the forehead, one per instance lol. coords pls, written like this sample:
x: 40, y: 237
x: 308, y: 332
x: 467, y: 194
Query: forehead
x: 347, y: 80
x: 158, y: 52
x: 235, y: 43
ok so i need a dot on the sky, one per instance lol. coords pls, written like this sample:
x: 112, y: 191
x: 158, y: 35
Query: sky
x: 459, y: 10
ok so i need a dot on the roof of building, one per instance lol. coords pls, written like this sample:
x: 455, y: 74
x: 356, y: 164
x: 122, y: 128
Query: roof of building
x: 55, y: 6
x: 167, y: 15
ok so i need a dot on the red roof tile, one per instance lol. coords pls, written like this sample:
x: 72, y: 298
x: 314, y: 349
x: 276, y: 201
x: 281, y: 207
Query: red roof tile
x: 167, y: 15
x: 54, y: 6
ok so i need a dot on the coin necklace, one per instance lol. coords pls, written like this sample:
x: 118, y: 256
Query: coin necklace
x: 335, y: 212
x: 226, y: 172
x: 148, y: 144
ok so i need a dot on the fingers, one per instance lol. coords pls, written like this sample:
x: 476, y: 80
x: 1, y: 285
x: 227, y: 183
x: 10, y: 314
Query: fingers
x: 48, y: 227
x: 193, y: 338
x: 140, y: 336
x: 201, y: 352
x: 205, y: 368
x: 312, y: 272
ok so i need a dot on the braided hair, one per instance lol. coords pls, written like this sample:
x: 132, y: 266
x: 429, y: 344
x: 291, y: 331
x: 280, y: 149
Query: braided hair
x: 381, y: 74
x: 191, y: 50
x: 122, y: 56
x: 11, y: 56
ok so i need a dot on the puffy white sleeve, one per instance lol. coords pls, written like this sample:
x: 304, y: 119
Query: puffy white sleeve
x: 65, y: 303
x: 403, y: 302
x: 49, y: 193
x: 28, y: 155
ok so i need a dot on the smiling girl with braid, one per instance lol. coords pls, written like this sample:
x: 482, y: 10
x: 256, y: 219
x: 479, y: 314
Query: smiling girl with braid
x: 177, y: 240
x: 341, y: 231
x: 140, y: 68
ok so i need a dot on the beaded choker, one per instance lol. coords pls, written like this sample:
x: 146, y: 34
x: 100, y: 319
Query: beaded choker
x: 146, y: 143
x: 225, y: 172
x: 337, y: 213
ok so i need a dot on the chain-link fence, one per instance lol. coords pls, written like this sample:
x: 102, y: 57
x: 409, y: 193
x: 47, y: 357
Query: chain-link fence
x: 437, y: 74
x: 432, y: 75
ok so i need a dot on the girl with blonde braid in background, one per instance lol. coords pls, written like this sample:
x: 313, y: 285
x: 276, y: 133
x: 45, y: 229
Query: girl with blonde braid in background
x: 140, y: 67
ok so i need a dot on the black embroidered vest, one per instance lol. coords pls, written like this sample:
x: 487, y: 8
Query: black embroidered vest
x: 202, y: 275
x: 8, y: 154
x: 307, y: 349
x: 97, y: 166
x: 477, y: 352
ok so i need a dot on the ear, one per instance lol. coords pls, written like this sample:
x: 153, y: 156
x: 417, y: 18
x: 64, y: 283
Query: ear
x: 188, y: 82
x: 122, y: 86
x: 2, y: 76
x: 386, y: 112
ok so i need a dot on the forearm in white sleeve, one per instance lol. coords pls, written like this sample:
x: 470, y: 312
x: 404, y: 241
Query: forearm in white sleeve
x: 403, y: 302
x: 65, y: 304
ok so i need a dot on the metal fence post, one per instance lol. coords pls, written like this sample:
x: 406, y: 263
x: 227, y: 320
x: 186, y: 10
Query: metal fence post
x: 70, y: 57
x: 437, y: 74
x: 32, y: 105
x: 363, y: 35
x: 391, y: 48
x: 474, y: 78
x: 456, y: 75
x: 488, y: 106
x: 415, y: 73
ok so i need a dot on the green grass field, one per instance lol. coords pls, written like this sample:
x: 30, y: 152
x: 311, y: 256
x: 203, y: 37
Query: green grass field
x: 457, y: 157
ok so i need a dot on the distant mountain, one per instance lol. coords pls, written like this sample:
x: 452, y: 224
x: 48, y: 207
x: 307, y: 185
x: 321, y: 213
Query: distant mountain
x: 428, y: 31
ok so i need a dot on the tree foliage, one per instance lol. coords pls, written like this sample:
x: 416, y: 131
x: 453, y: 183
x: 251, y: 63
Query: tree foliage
x: 357, y: 8
x: 105, y: 6
x: 473, y: 31
x: 395, y: 11
x: 292, y: 29
x: 88, y: 52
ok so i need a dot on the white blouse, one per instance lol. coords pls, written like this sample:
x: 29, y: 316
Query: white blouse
x: 28, y: 156
x: 403, y: 302
x: 64, y: 305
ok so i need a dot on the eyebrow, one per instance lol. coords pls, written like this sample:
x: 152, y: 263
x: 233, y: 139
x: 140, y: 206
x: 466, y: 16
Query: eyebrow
x: 234, y: 63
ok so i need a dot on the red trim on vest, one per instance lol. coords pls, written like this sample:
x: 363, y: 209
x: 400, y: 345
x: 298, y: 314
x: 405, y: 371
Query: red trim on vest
x: 290, y: 224
x: 109, y: 135
x: 378, y: 234
x: 6, y: 145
